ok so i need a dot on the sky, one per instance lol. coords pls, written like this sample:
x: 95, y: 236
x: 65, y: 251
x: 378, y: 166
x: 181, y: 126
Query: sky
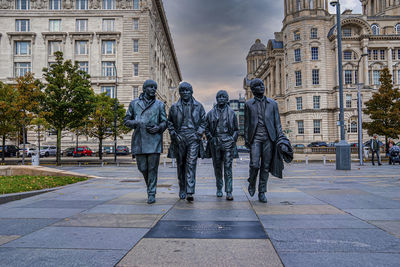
x: 212, y: 39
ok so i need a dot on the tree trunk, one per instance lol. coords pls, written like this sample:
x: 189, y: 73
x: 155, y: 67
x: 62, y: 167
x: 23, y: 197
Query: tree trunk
x: 3, y: 147
x: 58, y: 153
x: 100, y: 148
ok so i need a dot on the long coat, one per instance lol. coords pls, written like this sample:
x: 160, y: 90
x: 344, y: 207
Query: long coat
x: 175, y: 120
x: 211, y: 129
x: 272, y: 121
x: 144, y: 142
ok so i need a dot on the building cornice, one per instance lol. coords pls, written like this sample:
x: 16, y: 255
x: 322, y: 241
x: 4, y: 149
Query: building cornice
x: 31, y: 36
x: 108, y: 35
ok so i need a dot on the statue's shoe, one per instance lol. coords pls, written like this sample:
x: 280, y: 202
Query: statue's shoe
x: 262, y: 198
x: 252, y: 190
x: 182, y: 195
x: 151, y: 199
x: 189, y: 197
x: 219, y: 193
x: 229, y: 196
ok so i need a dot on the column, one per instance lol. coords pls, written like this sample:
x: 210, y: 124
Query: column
x: 365, y: 66
x: 272, y: 81
x: 285, y: 2
x: 390, y: 62
x: 278, y: 78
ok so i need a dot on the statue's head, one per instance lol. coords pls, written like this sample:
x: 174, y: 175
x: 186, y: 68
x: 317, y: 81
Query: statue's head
x: 257, y: 87
x: 222, y: 98
x: 185, y: 91
x: 150, y: 88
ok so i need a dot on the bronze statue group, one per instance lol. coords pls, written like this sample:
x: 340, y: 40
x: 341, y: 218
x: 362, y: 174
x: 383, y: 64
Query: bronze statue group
x: 187, y: 121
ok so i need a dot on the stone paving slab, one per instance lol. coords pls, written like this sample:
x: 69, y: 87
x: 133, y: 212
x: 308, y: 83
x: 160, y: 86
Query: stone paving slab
x: 81, y: 238
x: 111, y: 220
x: 28, y: 257
x: 227, y: 205
x: 376, y: 214
x: 72, y: 204
x: 23, y: 226
x: 214, y: 198
x: 143, y: 200
x: 130, y: 209
x: 210, y: 215
x: 38, y: 213
x: 392, y: 227
x: 201, y: 252
x: 292, y: 259
x: 333, y: 240
x: 312, y: 221
x: 7, y: 238
x: 295, y: 209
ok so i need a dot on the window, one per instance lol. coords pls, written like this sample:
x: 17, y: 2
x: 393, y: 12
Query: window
x: 346, y: 32
x: 298, y: 78
x: 300, y: 127
x: 108, y: 25
x: 54, y: 46
x: 298, y: 5
x: 375, y: 29
x: 369, y: 55
x: 316, y: 102
x: 398, y: 77
x: 348, y: 101
x: 299, y: 103
x: 311, y: 4
x: 296, y: 35
x: 81, y: 25
x: 23, y: 4
x: 375, y: 54
x: 55, y: 25
x: 376, y: 76
x: 314, y: 53
x: 353, y: 127
x: 21, y: 68
x: 135, y: 45
x: 348, y: 77
x: 347, y: 55
x: 297, y: 55
x: 81, y: 4
x: 135, y: 69
x: 107, y: 69
x: 109, y: 90
x: 398, y: 54
x: 382, y: 54
x: 397, y: 29
x: 55, y: 4
x: 108, y: 4
x: 83, y: 66
x: 314, y: 33
x: 22, y: 25
x: 22, y: 48
x: 317, y: 126
x: 315, y: 77
x: 81, y: 48
x: 393, y: 54
x: 135, y: 4
x: 108, y: 47
x: 136, y: 24
x: 135, y: 92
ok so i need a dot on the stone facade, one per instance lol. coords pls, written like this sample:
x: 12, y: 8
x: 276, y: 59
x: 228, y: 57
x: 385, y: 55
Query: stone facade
x: 299, y: 66
x: 132, y: 34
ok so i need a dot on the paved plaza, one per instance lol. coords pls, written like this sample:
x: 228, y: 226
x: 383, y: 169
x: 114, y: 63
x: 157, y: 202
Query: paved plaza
x: 315, y: 216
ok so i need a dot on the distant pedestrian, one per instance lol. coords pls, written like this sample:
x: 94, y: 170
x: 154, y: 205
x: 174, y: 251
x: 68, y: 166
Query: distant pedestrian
x: 375, y: 147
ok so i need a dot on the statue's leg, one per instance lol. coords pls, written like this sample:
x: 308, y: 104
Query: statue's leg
x: 191, y: 162
x: 255, y: 156
x: 266, y: 158
x: 217, y: 164
x: 141, y: 161
x: 153, y: 163
x: 228, y: 158
x: 181, y: 168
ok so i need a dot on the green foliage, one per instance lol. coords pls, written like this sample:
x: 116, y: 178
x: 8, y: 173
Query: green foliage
x: 23, y: 183
x: 384, y: 109
x: 68, y: 97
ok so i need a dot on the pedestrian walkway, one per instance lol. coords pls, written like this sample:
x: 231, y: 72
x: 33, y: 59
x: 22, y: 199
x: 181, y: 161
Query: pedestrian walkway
x: 316, y: 216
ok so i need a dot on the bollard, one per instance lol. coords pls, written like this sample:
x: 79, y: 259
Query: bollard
x: 102, y: 164
x: 173, y: 163
x: 165, y: 163
x: 306, y: 159
x: 324, y: 160
x: 235, y: 162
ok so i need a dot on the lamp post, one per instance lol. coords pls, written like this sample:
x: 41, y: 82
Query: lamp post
x: 115, y: 113
x: 359, y: 109
x: 343, y: 153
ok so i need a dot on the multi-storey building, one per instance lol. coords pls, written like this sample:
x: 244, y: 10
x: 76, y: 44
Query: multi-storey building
x: 118, y: 42
x: 238, y: 106
x: 299, y: 66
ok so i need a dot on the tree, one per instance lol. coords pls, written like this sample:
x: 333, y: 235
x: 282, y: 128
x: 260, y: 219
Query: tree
x: 8, y: 113
x: 384, y: 109
x: 100, y: 123
x: 68, y: 97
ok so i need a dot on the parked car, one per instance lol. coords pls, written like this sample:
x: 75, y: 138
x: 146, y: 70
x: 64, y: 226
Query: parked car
x: 317, y: 144
x: 9, y: 150
x: 69, y: 152
x: 29, y: 151
x: 122, y: 150
x: 243, y: 149
x: 299, y: 146
x: 82, y: 151
x: 48, y: 151
x: 108, y: 149
x: 353, y: 144
x: 332, y: 144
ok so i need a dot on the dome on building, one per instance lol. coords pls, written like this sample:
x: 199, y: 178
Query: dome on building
x: 258, y: 46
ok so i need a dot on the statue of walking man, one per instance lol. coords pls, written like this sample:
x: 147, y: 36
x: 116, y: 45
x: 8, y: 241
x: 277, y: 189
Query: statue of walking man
x: 186, y: 124
x: 222, y: 133
x: 263, y: 135
x: 146, y: 115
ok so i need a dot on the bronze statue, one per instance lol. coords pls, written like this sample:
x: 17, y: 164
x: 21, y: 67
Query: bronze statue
x: 263, y: 135
x: 186, y: 124
x: 222, y: 133
x: 146, y: 115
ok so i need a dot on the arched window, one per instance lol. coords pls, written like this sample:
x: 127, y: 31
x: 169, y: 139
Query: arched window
x: 298, y: 5
x: 352, y: 126
x: 375, y: 29
x: 397, y: 29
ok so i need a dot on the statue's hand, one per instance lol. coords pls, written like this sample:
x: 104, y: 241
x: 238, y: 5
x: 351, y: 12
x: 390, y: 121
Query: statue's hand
x: 136, y: 124
x: 284, y: 148
x: 153, y: 129
x: 246, y: 144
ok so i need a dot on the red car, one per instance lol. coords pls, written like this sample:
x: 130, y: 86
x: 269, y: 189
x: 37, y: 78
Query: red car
x: 82, y: 151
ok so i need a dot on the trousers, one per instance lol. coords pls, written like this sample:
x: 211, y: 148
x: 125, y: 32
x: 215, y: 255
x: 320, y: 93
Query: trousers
x: 148, y: 166
x: 222, y: 157
x: 260, y: 160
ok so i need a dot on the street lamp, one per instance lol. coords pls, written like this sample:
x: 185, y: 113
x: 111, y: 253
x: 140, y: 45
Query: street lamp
x: 343, y: 153
x: 359, y: 109
x: 115, y: 113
